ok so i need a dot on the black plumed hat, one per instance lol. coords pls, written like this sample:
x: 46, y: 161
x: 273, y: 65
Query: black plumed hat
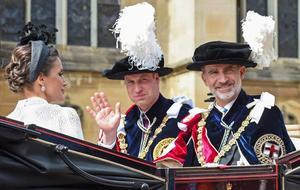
x: 134, y: 31
x: 123, y: 67
x: 219, y: 52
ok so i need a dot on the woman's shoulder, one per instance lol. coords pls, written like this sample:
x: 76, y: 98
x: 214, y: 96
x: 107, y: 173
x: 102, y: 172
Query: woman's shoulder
x: 62, y: 110
x: 69, y: 111
x: 55, y: 111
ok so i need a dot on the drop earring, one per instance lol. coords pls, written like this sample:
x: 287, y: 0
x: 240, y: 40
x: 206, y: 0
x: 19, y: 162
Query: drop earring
x: 43, y: 88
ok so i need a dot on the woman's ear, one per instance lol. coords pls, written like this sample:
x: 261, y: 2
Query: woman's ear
x: 41, y: 79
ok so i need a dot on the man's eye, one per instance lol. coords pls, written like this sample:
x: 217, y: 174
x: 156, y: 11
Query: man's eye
x: 231, y: 70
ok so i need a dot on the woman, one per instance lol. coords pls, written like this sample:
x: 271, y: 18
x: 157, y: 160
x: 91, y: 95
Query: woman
x: 35, y: 70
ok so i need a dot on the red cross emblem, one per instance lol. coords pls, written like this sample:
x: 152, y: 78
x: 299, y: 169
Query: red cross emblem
x: 271, y: 150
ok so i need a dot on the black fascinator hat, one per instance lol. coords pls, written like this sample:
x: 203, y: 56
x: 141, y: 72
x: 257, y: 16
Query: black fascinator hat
x: 31, y: 32
x: 39, y: 37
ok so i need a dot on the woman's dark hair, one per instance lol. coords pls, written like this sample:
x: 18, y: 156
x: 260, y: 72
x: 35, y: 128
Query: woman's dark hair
x: 17, y: 71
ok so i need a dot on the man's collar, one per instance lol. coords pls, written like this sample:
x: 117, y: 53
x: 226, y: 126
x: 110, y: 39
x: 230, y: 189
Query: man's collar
x: 157, y: 108
x: 227, y: 106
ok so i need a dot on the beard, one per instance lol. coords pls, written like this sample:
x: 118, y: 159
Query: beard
x: 232, y: 94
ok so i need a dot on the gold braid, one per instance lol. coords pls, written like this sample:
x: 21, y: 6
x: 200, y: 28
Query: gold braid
x: 123, y: 145
x: 226, y: 147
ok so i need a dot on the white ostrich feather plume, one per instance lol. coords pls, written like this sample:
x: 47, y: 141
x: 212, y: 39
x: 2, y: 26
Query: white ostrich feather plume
x: 258, y: 32
x: 134, y: 29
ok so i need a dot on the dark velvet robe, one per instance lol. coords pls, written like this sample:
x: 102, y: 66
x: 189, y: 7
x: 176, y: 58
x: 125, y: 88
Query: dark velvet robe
x: 271, y: 124
x: 158, y: 110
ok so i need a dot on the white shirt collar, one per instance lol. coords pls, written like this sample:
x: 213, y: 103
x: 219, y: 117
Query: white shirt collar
x: 227, y: 106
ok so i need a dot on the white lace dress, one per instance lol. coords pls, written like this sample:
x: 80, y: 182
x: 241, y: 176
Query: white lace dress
x: 38, y: 111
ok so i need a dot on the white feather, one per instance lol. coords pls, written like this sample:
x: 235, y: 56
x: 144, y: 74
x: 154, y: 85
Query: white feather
x: 258, y: 32
x: 135, y: 31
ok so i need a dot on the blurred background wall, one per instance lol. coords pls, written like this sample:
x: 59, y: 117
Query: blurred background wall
x: 88, y: 47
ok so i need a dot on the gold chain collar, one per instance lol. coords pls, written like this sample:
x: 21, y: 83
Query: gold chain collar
x: 226, y: 147
x: 123, y: 145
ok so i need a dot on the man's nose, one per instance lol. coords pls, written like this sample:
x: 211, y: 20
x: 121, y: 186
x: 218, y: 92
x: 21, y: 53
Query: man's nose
x: 137, y: 88
x: 222, y: 78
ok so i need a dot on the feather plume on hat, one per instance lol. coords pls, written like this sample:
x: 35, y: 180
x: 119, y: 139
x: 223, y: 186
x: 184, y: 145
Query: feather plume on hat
x: 134, y: 29
x: 258, y: 32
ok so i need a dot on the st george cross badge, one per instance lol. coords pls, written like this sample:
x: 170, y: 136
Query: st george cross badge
x: 271, y: 150
x: 268, y: 148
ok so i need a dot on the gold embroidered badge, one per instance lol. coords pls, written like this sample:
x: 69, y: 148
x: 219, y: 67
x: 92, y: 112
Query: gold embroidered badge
x: 160, y: 147
x: 268, y: 148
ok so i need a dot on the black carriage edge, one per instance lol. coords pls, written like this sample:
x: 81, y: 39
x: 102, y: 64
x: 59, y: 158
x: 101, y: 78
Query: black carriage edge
x: 32, y: 157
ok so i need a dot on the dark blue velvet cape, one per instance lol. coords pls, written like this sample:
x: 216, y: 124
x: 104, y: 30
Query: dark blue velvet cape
x: 158, y: 110
x: 271, y: 122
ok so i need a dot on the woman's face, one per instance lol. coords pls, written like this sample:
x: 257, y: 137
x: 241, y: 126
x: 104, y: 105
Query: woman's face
x: 55, y: 83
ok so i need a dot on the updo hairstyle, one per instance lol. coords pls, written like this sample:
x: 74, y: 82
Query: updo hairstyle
x: 17, y: 71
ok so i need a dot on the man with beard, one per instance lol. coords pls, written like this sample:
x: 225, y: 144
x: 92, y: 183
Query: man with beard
x: 236, y: 129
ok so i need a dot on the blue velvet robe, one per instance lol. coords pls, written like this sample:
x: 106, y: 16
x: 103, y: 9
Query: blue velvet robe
x: 271, y: 122
x: 158, y: 110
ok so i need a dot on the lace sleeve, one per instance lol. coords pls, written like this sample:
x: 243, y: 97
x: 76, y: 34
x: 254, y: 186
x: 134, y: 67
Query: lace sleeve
x: 71, y: 124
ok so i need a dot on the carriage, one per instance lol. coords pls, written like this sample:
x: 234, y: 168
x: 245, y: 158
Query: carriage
x: 32, y: 157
